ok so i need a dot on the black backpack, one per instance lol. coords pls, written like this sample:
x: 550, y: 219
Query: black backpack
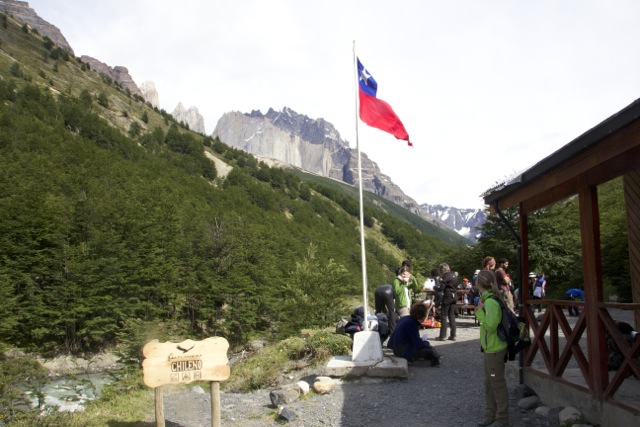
x: 511, y: 330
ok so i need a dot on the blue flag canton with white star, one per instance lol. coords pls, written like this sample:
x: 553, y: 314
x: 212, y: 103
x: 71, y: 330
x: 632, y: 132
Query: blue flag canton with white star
x: 366, y: 81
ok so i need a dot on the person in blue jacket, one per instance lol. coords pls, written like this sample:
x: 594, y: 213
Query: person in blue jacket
x: 406, y: 341
x: 574, y: 294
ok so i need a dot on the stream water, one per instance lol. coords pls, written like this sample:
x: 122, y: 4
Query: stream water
x: 72, y: 392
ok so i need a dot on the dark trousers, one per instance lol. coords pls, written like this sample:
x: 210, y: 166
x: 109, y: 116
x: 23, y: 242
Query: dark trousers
x: 448, y: 312
x: 427, y: 353
x: 383, y: 298
x: 573, y: 311
x: 539, y: 306
x: 495, y: 387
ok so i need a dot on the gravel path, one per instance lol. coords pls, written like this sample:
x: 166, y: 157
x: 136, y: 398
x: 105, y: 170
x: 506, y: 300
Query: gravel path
x: 449, y: 395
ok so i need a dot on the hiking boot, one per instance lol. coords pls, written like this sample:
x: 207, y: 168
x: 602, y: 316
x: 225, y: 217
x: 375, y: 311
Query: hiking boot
x: 485, y: 423
x: 451, y: 338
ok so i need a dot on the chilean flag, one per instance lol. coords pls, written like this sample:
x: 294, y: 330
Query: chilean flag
x: 375, y: 112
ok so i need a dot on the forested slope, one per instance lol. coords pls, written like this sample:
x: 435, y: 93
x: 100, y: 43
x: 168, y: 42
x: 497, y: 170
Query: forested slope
x: 115, y: 227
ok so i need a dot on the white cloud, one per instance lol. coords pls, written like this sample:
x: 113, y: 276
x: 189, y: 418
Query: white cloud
x: 484, y: 88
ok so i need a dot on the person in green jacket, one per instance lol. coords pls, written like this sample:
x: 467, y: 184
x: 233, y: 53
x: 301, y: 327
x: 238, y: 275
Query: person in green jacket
x: 494, y: 350
x: 403, y: 286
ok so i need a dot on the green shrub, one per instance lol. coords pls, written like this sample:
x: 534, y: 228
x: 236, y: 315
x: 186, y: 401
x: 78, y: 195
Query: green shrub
x: 325, y: 344
x: 262, y: 369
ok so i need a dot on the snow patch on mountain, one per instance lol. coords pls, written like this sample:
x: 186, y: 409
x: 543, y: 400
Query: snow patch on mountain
x: 464, y: 221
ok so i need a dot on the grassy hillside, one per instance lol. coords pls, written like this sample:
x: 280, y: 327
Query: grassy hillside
x: 115, y: 227
x: 388, y: 207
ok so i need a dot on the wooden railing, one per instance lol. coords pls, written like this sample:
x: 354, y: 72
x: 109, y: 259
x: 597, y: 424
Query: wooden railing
x: 593, y: 367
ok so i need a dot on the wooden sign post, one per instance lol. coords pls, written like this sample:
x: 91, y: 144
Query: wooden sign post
x: 175, y: 363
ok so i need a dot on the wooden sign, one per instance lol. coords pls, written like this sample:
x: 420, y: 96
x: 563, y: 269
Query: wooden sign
x: 173, y: 363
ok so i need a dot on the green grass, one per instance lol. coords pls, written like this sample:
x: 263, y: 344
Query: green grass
x: 129, y: 403
x: 370, y: 199
x: 310, y: 349
x: 125, y: 403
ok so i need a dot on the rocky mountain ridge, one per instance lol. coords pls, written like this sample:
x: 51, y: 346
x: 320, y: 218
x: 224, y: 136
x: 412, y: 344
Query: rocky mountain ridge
x: 118, y: 73
x: 21, y: 12
x: 310, y: 144
x: 316, y: 146
x: 283, y: 136
x: 150, y: 94
x: 191, y: 117
x: 464, y: 221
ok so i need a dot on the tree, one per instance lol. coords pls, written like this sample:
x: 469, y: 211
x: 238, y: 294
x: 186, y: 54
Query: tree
x: 103, y: 99
x: 311, y: 298
x: 614, y: 240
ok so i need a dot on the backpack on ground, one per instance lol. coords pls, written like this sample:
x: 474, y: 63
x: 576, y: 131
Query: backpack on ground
x: 512, y: 330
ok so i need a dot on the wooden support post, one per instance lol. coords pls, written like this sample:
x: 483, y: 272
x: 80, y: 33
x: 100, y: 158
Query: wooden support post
x: 632, y: 201
x: 525, y: 289
x: 159, y: 407
x: 215, y: 404
x: 592, y: 270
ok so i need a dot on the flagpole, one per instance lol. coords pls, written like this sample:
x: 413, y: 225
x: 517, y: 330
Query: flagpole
x: 362, y: 247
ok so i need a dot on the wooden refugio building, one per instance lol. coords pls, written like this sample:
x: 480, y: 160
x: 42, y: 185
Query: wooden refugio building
x: 605, y: 152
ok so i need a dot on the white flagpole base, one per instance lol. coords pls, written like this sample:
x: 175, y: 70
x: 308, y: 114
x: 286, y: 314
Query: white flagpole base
x: 367, y: 347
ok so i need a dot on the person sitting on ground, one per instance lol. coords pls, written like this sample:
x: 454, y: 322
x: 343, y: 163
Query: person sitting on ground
x: 406, y: 341
x: 574, y: 294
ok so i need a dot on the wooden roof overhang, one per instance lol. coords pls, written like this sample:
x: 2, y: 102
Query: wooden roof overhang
x: 607, y: 151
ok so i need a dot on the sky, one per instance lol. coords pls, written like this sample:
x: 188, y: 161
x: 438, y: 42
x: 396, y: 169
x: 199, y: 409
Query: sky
x: 485, y: 88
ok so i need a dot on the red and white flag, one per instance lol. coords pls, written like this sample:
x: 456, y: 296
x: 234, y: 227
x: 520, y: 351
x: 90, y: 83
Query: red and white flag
x: 375, y: 112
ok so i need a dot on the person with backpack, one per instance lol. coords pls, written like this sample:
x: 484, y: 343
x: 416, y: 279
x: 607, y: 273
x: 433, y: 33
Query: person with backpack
x: 437, y: 287
x: 494, y: 349
x: 449, y: 296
